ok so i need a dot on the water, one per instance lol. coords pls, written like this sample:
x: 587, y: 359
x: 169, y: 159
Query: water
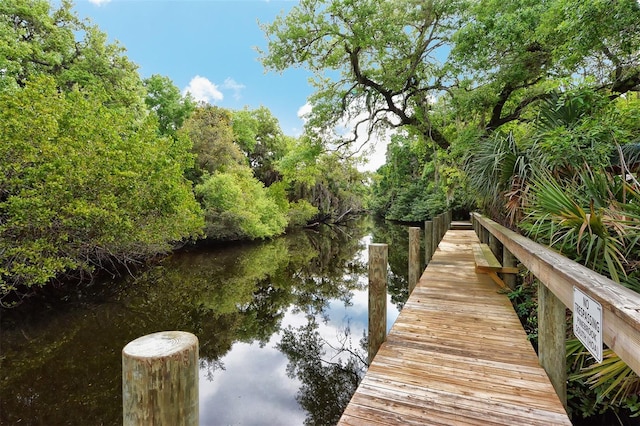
x: 280, y: 325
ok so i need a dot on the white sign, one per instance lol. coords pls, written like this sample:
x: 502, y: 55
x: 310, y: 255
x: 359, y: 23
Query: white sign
x: 587, y: 322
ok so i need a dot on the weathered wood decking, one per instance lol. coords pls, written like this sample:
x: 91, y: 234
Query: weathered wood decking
x: 456, y: 355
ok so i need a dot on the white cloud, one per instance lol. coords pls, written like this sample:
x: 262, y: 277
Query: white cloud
x: 303, y: 111
x: 231, y: 84
x: 203, y: 90
x: 99, y: 2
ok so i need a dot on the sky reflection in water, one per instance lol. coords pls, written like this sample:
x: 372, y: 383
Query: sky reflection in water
x: 254, y: 388
x: 61, y: 362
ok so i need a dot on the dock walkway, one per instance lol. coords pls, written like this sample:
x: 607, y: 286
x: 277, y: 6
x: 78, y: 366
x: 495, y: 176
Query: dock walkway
x: 456, y: 355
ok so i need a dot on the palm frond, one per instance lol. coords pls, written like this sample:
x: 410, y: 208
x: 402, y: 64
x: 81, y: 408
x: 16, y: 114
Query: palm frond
x: 610, y: 375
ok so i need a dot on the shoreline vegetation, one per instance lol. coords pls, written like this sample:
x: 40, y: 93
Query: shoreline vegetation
x: 528, y: 111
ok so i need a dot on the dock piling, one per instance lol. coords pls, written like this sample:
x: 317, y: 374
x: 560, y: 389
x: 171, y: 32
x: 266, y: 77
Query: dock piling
x: 428, y: 241
x: 160, y: 380
x: 378, y: 256
x: 414, y: 257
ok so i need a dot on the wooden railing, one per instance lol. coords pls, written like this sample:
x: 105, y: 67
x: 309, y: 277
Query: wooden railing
x: 559, y: 275
x: 434, y: 230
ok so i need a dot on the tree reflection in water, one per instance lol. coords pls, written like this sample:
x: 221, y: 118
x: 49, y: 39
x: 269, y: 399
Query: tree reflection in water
x: 64, y: 357
x: 328, y: 379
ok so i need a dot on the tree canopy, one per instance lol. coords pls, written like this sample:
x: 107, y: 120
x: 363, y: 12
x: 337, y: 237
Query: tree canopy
x: 388, y: 63
x: 37, y: 39
x: 382, y: 57
x: 84, y: 185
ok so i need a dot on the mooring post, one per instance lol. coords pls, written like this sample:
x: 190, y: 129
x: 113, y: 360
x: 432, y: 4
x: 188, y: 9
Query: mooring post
x: 414, y: 257
x: 160, y: 380
x: 551, y: 340
x: 378, y: 255
x: 428, y: 241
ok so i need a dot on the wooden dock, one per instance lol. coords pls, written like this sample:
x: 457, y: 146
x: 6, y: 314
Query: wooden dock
x: 456, y: 355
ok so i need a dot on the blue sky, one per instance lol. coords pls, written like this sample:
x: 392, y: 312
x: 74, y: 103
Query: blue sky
x: 208, y: 47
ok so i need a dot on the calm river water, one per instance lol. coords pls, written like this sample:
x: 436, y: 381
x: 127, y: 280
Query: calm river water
x: 280, y: 324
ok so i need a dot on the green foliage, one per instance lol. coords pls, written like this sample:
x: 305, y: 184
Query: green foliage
x: 37, y: 40
x: 331, y: 184
x: 571, y: 130
x: 525, y: 302
x: 416, y: 183
x: 599, y: 388
x: 300, y: 162
x: 592, y: 217
x: 371, y: 57
x: 82, y: 184
x: 299, y: 212
x: 164, y: 98
x: 258, y: 134
x: 211, y: 133
x: 588, y: 221
x: 596, y: 38
x: 511, y: 54
x: 237, y: 206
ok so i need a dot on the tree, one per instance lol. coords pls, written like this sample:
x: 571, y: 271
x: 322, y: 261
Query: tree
x: 164, y: 98
x: 387, y: 62
x: 511, y: 54
x: 211, y: 132
x: 405, y: 188
x: 382, y: 57
x: 331, y: 184
x: 237, y: 206
x: 34, y: 39
x: 84, y: 185
x: 257, y: 132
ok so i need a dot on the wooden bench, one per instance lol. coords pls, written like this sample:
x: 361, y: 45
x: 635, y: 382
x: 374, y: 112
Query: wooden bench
x: 486, y: 263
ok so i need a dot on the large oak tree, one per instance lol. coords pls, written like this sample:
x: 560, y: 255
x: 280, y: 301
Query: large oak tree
x: 386, y: 62
x: 382, y: 57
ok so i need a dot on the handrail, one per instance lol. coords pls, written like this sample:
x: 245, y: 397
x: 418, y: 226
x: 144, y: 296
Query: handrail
x: 620, y: 305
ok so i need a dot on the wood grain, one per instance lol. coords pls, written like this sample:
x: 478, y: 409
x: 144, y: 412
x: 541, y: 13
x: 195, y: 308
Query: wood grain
x: 378, y: 259
x: 621, y: 306
x: 456, y: 355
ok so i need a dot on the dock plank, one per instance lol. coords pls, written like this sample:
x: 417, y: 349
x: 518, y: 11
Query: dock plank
x: 456, y: 355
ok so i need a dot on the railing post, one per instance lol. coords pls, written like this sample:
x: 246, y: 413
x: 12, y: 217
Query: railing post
x: 428, y: 241
x: 510, y: 261
x: 414, y: 257
x: 436, y: 232
x: 378, y: 255
x: 160, y: 380
x: 494, y: 244
x: 484, y: 232
x: 551, y: 340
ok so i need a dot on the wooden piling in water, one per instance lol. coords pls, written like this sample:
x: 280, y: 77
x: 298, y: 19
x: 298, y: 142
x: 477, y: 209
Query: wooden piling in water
x: 378, y: 256
x: 414, y: 257
x: 160, y: 380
